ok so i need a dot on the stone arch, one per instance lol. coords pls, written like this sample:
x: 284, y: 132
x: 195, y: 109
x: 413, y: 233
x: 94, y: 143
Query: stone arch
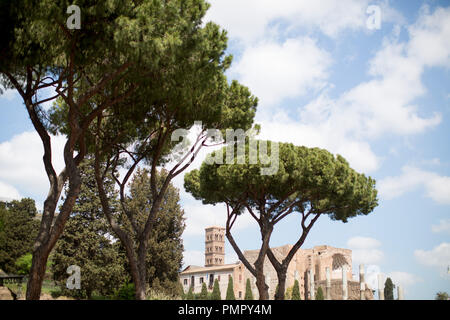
x: 339, y: 261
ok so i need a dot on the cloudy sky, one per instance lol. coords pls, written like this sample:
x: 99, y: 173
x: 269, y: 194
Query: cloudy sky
x: 327, y: 74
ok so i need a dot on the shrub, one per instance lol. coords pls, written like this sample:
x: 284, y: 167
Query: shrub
x: 23, y: 264
x: 296, y: 291
x: 126, y: 292
x: 165, y: 290
x: 204, y: 293
x: 389, y: 289
x: 248, y: 291
x: 153, y: 294
x: 319, y: 294
x: 441, y: 296
x: 190, y: 294
x: 230, y: 289
x: 55, y: 293
x: 288, y: 294
x: 216, y: 291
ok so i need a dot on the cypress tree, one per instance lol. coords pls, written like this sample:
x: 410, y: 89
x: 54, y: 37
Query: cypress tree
x: 319, y: 294
x: 296, y: 291
x: 288, y: 294
x: 165, y: 245
x: 86, y: 242
x: 216, y: 291
x: 248, y: 291
x: 389, y: 289
x: 190, y: 294
x: 230, y: 289
x: 204, y: 292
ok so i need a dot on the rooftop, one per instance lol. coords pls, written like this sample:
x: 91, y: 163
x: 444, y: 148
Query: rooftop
x: 196, y: 269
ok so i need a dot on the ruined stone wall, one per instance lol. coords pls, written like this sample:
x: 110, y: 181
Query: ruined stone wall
x: 269, y: 270
x: 328, y: 257
x: 317, y: 258
x: 353, y: 288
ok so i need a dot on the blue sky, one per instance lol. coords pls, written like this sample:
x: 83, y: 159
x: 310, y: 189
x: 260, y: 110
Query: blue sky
x: 379, y: 97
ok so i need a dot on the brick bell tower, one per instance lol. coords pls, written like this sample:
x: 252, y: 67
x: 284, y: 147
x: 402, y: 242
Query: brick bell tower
x: 214, y: 246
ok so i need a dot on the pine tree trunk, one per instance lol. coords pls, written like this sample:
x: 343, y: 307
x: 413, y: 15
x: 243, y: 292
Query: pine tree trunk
x: 37, y: 273
x: 140, y: 289
x: 52, y: 226
x: 263, y: 289
x: 137, y: 269
x: 279, y: 295
x: 50, y: 232
x: 141, y: 281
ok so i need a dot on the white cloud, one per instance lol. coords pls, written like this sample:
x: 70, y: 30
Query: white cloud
x: 400, y: 278
x: 230, y: 255
x: 371, y: 109
x: 199, y: 216
x: 365, y: 250
x: 276, y: 71
x: 8, y: 192
x: 363, y: 243
x: 371, y: 276
x: 432, y: 162
x: 436, y: 187
x: 9, y: 94
x: 443, y: 226
x: 197, y: 257
x: 280, y: 127
x: 21, y: 163
x: 367, y: 256
x: 385, y: 104
x: 250, y: 20
x: 404, y: 279
x: 429, y: 43
x: 193, y: 257
x: 437, y: 258
x: 392, y: 187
